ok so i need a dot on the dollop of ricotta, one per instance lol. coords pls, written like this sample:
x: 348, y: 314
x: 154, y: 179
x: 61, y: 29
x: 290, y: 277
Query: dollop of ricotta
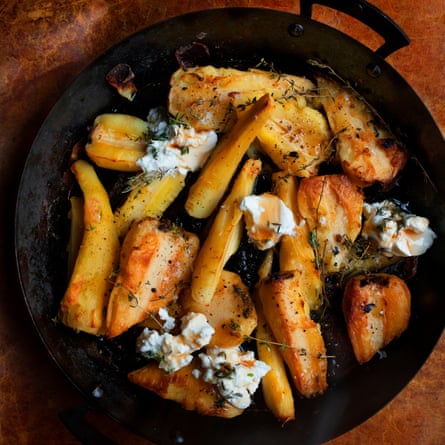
x: 175, y: 146
x: 397, y: 232
x: 175, y: 351
x: 267, y: 219
x: 235, y: 373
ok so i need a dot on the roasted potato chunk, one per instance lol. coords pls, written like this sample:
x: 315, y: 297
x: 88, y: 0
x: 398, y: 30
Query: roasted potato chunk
x: 182, y: 387
x: 205, y: 97
x: 376, y: 308
x: 332, y: 206
x: 156, y: 261
x: 296, y: 138
x: 367, y: 150
x: 288, y: 316
x: 231, y: 311
x: 296, y: 252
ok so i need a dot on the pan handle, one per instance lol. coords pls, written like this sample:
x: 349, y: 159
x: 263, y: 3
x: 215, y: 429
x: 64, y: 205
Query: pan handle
x: 395, y: 38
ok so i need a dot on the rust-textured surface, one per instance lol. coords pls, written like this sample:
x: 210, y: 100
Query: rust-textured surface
x: 43, y: 45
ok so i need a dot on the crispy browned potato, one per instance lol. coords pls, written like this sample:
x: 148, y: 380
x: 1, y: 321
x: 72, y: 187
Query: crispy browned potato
x: 156, y: 262
x: 296, y: 138
x: 303, y: 346
x: 83, y: 304
x: 296, y: 252
x: 231, y: 311
x: 377, y: 309
x: 332, y: 206
x: 206, y: 96
x: 182, y: 387
x: 367, y: 150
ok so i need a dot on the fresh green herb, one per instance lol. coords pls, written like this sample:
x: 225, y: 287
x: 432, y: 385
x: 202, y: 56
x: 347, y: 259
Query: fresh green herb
x: 132, y: 299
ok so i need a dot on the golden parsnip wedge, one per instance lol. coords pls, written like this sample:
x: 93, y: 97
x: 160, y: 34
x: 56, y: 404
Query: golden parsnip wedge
x: 231, y: 311
x: 214, y: 179
x: 303, y: 347
x: 117, y: 141
x: 224, y: 236
x: 148, y: 200
x: 277, y: 391
x: 83, y: 305
x: 183, y: 387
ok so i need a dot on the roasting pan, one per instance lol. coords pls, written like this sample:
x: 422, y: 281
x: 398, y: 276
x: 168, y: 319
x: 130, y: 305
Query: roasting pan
x: 240, y: 38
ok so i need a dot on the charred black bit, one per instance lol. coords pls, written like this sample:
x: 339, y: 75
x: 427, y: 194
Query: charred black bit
x: 132, y: 299
x: 246, y: 262
x: 388, y: 142
x: 281, y: 276
x: 192, y: 54
x: 374, y: 279
x: 234, y: 326
x: 368, y: 307
x: 121, y: 77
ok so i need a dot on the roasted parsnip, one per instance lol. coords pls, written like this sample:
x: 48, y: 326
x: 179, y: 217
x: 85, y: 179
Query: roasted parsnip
x: 214, y: 179
x: 148, y: 200
x: 277, y: 390
x: 83, y: 305
x: 224, y: 236
x: 117, y: 141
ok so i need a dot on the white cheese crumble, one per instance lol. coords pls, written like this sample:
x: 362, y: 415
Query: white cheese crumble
x: 175, y: 351
x: 236, y: 374
x: 396, y: 231
x: 169, y: 322
x: 267, y: 219
x: 175, y: 147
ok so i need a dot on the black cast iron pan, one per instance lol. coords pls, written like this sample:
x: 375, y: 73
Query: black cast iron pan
x: 238, y: 38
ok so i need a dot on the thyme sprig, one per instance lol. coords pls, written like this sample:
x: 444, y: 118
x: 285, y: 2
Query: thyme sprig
x: 303, y: 352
